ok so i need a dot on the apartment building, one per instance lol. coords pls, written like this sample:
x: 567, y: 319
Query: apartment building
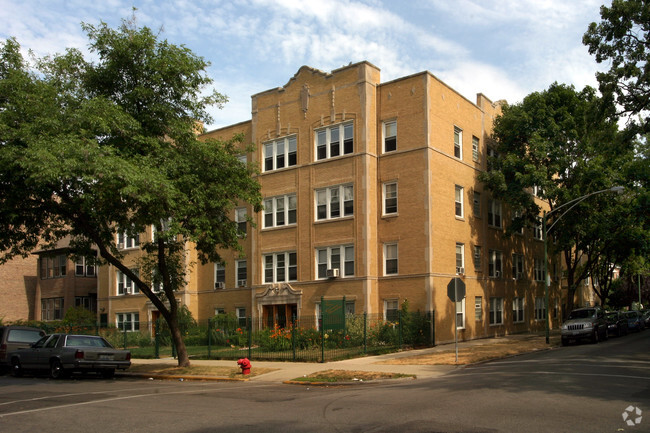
x: 370, y: 193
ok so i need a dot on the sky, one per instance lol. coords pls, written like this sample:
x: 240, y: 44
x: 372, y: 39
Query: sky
x: 505, y: 49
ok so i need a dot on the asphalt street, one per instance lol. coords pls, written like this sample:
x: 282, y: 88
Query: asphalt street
x: 581, y: 388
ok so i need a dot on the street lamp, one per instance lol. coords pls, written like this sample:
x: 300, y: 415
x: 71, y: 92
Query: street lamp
x: 547, y: 277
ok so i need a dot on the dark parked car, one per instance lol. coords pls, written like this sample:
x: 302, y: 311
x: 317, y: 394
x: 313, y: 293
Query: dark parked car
x: 15, y: 337
x: 634, y: 321
x: 646, y: 318
x: 616, y: 323
x: 62, y: 354
x: 586, y: 323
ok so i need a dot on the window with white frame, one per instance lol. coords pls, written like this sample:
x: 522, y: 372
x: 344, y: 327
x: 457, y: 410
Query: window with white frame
x: 494, y: 213
x: 538, y: 230
x: 460, y: 258
x: 280, y: 267
x: 349, y: 308
x: 219, y: 310
x: 477, y: 204
x: 280, y: 153
x: 240, y: 219
x: 475, y: 147
x: 495, y: 264
x: 279, y: 211
x: 127, y: 321
x: 84, y: 267
x: 242, y: 158
x: 496, y: 311
x: 338, y: 257
x: 478, y: 308
x: 334, y: 202
x: 390, y: 198
x: 458, y: 201
x: 539, y: 269
x: 390, y: 136
x: 391, y: 309
x: 517, y: 310
x: 458, y: 142
x: 156, y: 281
x: 241, y: 316
x: 53, y: 266
x: 219, y: 276
x: 537, y: 191
x: 242, y: 273
x: 125, y: 285
x: 540, y: 309
x: 460, y: 314
x: 515, y: 215
x: 52, y: 309
x: 334, y: 141
x: 477, y: 257
x: 126, y: 240
x: 390, y: 259
x: 517, y: 266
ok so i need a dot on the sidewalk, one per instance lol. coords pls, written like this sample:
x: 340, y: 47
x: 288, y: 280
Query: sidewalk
x: 286, y: 371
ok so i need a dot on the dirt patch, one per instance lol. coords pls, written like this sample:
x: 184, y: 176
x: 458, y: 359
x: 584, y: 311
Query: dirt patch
x: 473, y: 354
x: 193, y: 370
x: 349, y: 376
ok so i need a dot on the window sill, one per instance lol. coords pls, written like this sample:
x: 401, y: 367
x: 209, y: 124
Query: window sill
x: 390, y: 215
x: 269, y: 229
x: 331, y: 220
x: 459, y: 218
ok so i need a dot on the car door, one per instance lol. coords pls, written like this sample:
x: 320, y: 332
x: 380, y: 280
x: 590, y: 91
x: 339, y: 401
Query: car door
x: 49, y: 348
x: 29, y: 357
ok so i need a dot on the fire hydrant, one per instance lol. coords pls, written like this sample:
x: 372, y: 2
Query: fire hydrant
x: 245, y: 366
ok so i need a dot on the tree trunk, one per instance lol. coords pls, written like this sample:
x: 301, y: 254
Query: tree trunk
x: 181, y: 350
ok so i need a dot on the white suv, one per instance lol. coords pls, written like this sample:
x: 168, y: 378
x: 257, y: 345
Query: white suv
x: 587, y: 323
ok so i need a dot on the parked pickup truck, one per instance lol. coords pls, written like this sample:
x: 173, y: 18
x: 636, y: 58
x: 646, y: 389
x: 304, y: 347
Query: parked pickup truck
x: 62, y: 354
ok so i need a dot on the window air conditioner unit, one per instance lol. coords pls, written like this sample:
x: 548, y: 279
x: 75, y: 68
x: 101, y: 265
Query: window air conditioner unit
x: 332, y: 273
x: 460, y: 270
x: 219, y: 285
x: 241, y: 283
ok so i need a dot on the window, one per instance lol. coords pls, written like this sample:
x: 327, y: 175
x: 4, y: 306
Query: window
x: 280, y: 153
x: 53, y: 266
x: 128, y: 321
x: 517, y: 310
x: 241, y: 316
x: 495, y: 263
x: 458, y: 198
x: 242, y: 273
x: 219, y: 276
x: 496, y: 311
x: 390, y: 259
x: 280, y: 211
x: 333, y: 258
x: 477, y: 257
x: 349, y: 308
x: 537, y: 191
x: 540, y: 309
x: 52, y: 309
x: 125, y: 285
x: 390, y: 136
x: 390, y: 310
x: 219, y: 310
x: 328, y: 141
x: 475, y: 146
x: 280, y: 267
x: 494, y: 213
x: 538, y: 230
x: 240, y: 219
x: 334, y: 202
x: 87, y: 302
x: 458, y: 142
x: 517, y: 266
x: 460, y: 258
x: 84, y: 267
x: 390, y: 198
x: 127, y: 240
x: 539, y: 269
x: 242, y: 158
x: 477, y: 204
x: 460, y: 314
x: 478, y: 308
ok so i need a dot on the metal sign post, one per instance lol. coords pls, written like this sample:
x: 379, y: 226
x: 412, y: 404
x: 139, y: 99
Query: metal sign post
x: 456, y: 292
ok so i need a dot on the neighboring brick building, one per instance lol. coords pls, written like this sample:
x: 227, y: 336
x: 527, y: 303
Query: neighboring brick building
x: 18, y: 289
x: 370, y: 192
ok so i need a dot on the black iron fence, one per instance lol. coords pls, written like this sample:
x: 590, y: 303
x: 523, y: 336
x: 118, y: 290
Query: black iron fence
x: 305, y: 339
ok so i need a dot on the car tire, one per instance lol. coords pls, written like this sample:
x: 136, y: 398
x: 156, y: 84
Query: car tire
x: 108, y: 373
x: 565, y: 341
x: 16, y: 368
x: 56, y: 370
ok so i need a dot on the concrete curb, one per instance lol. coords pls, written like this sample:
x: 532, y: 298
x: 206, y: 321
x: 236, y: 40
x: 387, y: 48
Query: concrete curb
x: 182, y: 377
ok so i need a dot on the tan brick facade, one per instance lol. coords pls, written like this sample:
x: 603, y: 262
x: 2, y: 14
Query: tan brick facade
x: 18, y: 289
x: 387, y: 218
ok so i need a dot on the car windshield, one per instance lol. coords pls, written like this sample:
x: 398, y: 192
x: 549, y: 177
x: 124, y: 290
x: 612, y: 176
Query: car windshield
x: 23, y: 336
x: 581, y: 314
x: 85, y: 341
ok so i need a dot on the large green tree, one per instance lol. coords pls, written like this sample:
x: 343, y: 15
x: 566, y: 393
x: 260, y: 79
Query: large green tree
x: 622, y: 39
x: 564, y: 143
x: 90, y: 150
